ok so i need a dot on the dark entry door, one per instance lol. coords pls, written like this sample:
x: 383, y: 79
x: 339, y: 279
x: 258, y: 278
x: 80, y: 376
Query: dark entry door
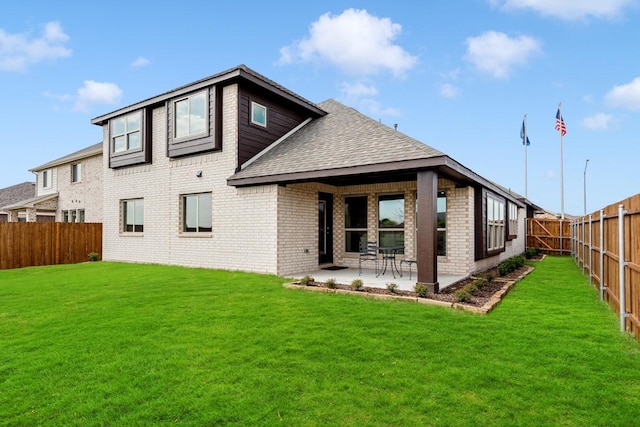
x: 325, y: 231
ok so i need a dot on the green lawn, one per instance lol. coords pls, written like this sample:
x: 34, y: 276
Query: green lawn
x: 141, y: 345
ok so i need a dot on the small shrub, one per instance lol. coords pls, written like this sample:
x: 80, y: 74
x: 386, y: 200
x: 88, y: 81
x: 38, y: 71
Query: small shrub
x: 489, y: 277
x: 93, y: 256
x: 357, y: 284
x: 462, y: 295
x: 392, y: 287
x: 531, y: 252
x: 306, y: 281
x: 421, y: 290
x: 471, y: 288
x: 331, y: 283
x: 504, y: 269
x: 479, y: 284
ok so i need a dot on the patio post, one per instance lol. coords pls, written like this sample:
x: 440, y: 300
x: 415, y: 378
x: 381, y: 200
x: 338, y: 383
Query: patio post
x: 427, y: 223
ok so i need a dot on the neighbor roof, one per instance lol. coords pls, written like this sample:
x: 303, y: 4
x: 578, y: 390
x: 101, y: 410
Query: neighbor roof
x: 16, y: 193
x: 31, y: 202
x: 90, y: 151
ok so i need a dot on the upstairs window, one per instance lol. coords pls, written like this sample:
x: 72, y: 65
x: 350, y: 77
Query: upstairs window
x: 76, y: 172
x: 126, y: 133
x: 46, y: 179
x: 190, y: 118
x: 258, y: 114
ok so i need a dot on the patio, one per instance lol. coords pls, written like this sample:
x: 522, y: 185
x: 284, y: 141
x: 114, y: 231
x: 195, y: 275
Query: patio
x: 345, y: 276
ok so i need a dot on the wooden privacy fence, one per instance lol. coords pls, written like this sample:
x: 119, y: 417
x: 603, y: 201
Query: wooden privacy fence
x: 551, y: 236
x: 26, y: 244
x: 606, y: 244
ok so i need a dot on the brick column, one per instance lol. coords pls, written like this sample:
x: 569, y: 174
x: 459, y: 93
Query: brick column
x: 427, y: 249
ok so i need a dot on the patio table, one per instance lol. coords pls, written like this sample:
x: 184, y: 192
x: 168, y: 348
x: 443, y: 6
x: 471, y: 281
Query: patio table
x: 389, y: 258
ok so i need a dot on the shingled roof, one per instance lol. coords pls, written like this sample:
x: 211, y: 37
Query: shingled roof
x: 16, y: 193
x: 92, y: 150
x: 344, y: 138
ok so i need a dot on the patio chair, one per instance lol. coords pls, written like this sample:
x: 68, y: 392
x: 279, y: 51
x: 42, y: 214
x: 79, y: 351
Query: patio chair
x: 368, y: 252
x: 409, y: 262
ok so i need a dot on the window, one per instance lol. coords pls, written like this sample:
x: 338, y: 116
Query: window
x: 442, y: 223
x: 126, y: 133
x: 46, y: 179
x: 196, y: 213
x: 391, y: 220
x: 76, y: 172
x: 65, y: 216
x: 355, y: 222
x: 495, y: 223
x: 133, y: 216
x: 73, y: 215
x: 513, y: 220
x: 258, y: 114
x: 80, y: 215
x: 190, y: 118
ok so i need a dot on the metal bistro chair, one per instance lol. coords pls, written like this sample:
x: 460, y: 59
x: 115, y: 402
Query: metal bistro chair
x: 409, y: 262
x: 368, y: 252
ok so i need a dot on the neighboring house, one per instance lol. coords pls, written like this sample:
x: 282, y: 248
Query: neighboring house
x: 14, y: 194
x: 237, y: 172
x: 68, y: 189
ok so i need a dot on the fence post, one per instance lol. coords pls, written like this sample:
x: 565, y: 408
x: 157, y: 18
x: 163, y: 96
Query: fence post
x: 590, y: 249
x: 584, y: 244
x: 571, y: 230
x: 622, y: 264
x: 602, y: 285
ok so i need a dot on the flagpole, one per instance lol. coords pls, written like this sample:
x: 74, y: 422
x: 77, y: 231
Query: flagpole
x: 561, y: 167
x: 524, y: 142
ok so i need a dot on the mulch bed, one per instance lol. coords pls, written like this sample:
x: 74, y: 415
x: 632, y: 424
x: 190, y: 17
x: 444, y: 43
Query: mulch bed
x: 490, y: 294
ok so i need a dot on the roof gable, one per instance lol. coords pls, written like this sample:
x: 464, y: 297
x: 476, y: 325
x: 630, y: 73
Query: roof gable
x: 92, y: 150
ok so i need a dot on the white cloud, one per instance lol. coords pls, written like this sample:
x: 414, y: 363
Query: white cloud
x: 140, y: 62
x: 18, y: 51
x: 354, y: 41
x: 600, y: 121
x: 451, y: 75
x: 497, y: 54
x: 94, y: 93
x: 374, y: 109
x: 569, y: 9
x: 351, y: 91
x: 625, y: 96
x: 447, y: 90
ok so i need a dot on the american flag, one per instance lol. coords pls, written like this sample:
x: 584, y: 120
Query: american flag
x: 560, y: 123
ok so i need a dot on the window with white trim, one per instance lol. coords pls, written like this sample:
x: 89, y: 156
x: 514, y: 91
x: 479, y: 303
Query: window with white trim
x: 495, y: 223
x: 258, y: 114
x: 126, y: 133
x: 190, y: 116
x: 513, y: 219
x: 133, y: 216
x: 46, y: 179
x: 76, y: 172
x: 196, y: 213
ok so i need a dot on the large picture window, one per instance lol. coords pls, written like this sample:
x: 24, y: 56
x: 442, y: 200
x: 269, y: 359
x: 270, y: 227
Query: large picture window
x: 355, y: 222
x: 126, y: 133
x: 190, y: 116
x: 495, y: 223
x: 196, y: 213
x: 133, y: 216
x: 391, y: 220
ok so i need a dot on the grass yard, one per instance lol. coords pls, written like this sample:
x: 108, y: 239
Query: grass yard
x: 142, y: 345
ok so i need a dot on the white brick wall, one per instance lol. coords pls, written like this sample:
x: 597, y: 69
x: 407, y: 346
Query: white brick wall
x: 244, y: 235
x: 85, y: 194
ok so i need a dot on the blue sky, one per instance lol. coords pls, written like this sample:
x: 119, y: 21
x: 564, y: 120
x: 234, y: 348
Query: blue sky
x: 459, y: 76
